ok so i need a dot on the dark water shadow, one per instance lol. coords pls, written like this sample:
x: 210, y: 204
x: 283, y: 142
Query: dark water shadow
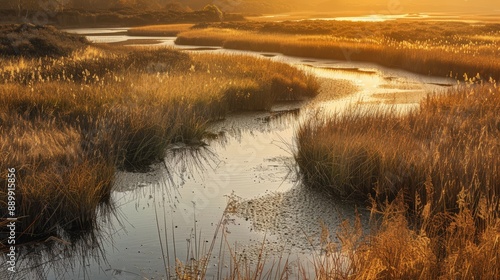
x: 66, y: 255
x: 281, y: 115
x: 348, y: 69
x: 238, y: 125
x: 116, y: 33
x: 441, y: 85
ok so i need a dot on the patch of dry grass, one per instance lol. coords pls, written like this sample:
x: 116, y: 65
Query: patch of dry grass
x: 37, y: 41
x: 434, y: 48
x: 432, y: 176
x: 67, y: 123
x: 443, y: 246
x: 450, y: 142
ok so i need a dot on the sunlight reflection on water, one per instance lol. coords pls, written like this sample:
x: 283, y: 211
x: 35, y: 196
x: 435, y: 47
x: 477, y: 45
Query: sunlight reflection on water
x: 373, y: 18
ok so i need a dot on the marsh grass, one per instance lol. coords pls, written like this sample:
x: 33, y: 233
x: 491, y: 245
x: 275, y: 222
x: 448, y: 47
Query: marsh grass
x: 447, y: 245
x: 451, y: 143
x: 431, y: 177
x: 37, y: 41
x: 159, y: 30
x: 444, y: 246
x: 431, y: 48
x: 67, y: 123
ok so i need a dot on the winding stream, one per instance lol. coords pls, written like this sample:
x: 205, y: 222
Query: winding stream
x: 250, y: 162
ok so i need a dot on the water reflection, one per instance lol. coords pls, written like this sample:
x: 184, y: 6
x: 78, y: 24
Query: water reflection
x: 65, y: 256
x: 295, y: 217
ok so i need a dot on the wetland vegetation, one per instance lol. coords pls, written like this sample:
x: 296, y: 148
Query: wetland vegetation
x: 72, y: 114
x: 426, y: 47
x: 431, y: 175
x: 438, y: 165
x: 69, y: 121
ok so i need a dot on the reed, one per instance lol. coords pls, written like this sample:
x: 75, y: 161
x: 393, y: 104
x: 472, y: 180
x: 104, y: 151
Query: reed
x: 443, y: 246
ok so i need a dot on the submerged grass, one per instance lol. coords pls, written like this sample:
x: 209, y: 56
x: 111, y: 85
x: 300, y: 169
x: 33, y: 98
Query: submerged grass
x: 426, y: 47
x: 67, y: 123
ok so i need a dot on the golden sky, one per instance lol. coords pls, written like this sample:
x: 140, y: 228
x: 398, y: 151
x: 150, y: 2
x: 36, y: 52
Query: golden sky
x: 408, y: 6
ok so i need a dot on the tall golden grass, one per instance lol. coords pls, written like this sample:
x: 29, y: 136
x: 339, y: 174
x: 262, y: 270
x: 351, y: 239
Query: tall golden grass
x: 431, y: 48
x: 425, y: 246
x: 443, y: 246
x: 432, y: 176
x: 67, y: 123
x: 450, y: 142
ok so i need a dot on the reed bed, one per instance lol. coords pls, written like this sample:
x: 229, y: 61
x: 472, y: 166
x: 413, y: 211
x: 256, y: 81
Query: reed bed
x: 68, y: 123
x: 425, y: 246
x: 443, y: 246
x: 431, y: 176
x: 450, y: 143
x: 431, y: 48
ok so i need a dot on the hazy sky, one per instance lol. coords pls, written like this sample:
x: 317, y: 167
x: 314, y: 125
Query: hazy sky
x: 408, y: 6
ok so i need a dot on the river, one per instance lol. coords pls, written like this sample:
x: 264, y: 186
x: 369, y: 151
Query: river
x: 178, y: 205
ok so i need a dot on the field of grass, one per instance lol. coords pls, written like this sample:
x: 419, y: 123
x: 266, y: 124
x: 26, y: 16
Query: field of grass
x: 426, y: 47
x: 450, y: 143
x: 67, y: 123
x: 439, y: 166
